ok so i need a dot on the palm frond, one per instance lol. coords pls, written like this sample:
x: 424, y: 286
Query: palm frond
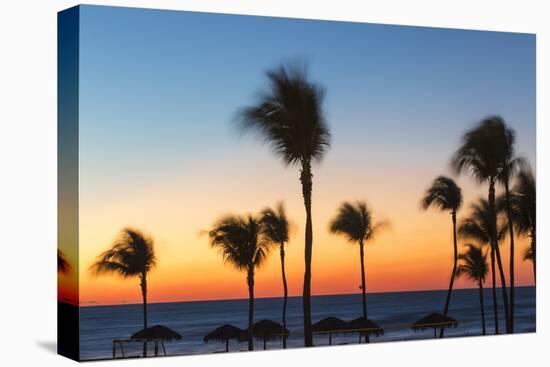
x: 240, y: 241
x: 63, y: 265
x: 486, y: 150
x: 473, y: 264
x: 275, y: 224
x: 354, y: 221
x: 289, y: 116
x: 444, y: 194
x: 131, y: 254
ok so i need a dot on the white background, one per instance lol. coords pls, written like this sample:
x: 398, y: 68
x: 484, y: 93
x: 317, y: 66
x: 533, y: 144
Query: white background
x: 28, y: 181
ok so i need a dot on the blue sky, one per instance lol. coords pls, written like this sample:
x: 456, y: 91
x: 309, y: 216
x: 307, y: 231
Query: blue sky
x: 175, y: 79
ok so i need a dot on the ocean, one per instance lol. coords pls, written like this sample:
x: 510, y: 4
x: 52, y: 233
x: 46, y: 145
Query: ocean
x: 395, y: 312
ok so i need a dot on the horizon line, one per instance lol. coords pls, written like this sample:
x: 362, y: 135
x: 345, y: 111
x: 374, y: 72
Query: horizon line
x: 273, y: 297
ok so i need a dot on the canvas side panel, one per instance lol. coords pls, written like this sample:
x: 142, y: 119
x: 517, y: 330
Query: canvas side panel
x: 67, y: 160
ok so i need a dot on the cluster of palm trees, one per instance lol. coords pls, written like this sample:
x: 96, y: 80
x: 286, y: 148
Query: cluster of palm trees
x: 487, y: 154
x: 289, y: 117
x: 245, y: 242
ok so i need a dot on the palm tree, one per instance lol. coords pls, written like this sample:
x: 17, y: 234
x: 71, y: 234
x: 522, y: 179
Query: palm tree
x: 276, y: 228
x: 354, y: 221
x: 242, y: 244
x: 484, y: 154
x: 289, y: 116
x: 474, y: 266
x: 479, y: 227
x: 523, y: 211
x: 509, y: 168
x: 444, y: 194
x: 131, y: 255
x: 63, y: 265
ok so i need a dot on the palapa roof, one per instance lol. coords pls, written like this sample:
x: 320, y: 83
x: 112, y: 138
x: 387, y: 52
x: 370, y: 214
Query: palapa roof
x: 434, y: 320
x: 224, y: 333
x: 266, y: 329
x: 364, y: 326
x: 330, y: 325
x: 155, y: 333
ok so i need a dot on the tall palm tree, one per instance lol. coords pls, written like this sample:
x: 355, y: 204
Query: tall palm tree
x: 355, y: 222
x: 479, y: 227
x: 474, y: 266
x: 131, y: 255
x: 276, y: 228
x: 523, y: 211
x: 483, y: 154
x: 242, y: 244
x: 289, y: 116
x: 63, y: 265
x: 444, y: 194
x: 509, y: 168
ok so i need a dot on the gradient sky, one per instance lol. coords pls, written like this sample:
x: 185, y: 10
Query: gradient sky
x: 159, y: 151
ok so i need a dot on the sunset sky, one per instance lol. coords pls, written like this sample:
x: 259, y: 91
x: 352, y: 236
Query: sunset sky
x: 159, y: 150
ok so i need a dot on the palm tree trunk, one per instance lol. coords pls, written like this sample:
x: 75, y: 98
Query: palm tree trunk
x: 453, y: 274
x: 250, y: 279
x: 498, y: 257
x: 512, y: 256
x: 306, y: 179
x: 534, y: 254
x: 482, y: 308
x: 493, y: 275
x: 285, y: 290
x: 363, y: 289
x: 363, y: 284
x: 144, y: 295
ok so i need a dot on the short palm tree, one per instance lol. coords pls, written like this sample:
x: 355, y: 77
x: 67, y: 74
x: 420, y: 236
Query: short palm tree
x: 484, y: 154
x: 276, y: 228
x: 523, y: 211
x: 242, y: 244
x: 131, y: 255
x: 474, y: 266
x: 479, y: 227
x: 289, y: 116
x: 355, y: 222
x: 444, y: 194
x: 63, y: 265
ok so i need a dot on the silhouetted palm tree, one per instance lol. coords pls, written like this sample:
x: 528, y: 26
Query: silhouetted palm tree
x: 290, y: 118
x: 63, y: 265
x: 242, y: 244
x: 474, y: 266
x: 276, y: 228
x: 523, y: 211
x: 444, y: 194
x: 354, y: 221
x: 509, y: 168
x: 484, y: 153
x: 479, y: 227
x: 131, y: 255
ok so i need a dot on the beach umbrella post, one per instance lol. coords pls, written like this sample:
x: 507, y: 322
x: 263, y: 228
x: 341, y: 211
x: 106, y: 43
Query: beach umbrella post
x: 266, y: 330
x: 329, y: 325
x: 364, y: 327
x: 156, y: 334
x: 436, y: 321
x: 224, y: 333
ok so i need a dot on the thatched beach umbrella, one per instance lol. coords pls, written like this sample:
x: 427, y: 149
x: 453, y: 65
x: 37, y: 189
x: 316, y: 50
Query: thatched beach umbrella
x: 266, y: 330
x: 364, y: 327
x: 157, y: 333
x: 436, y: 321
x: 329, y: 325
x: 224, y: 333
